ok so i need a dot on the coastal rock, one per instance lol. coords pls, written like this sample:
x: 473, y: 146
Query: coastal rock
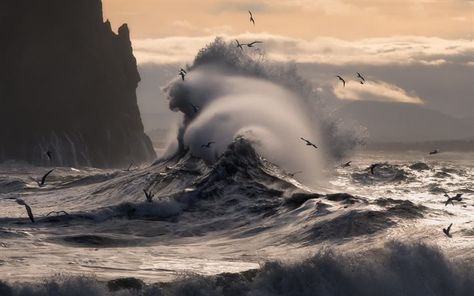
x: 68, y: 85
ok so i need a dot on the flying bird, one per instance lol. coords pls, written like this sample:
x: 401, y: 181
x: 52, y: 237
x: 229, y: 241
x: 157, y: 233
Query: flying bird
x: 43, y: 179
x: 343, y: 81
x: 57, y: 213
x: 239, y: 45
x: 50, y: 155
x: 360, y: 76
x: 253, y: 43
x: 436, y: 151
x: 457, y: 197
x: 149, y: 196
x: 308, y: 143
x: 27, y: 207
x: 182, y: 74
x: 372, y: 168
x: 446, y: 230
x: 208, y: 145
x: 347, y: 164
x: 195, y: 108
x: 294, y: 173
x: 129, y: 167
x: 251, y: 18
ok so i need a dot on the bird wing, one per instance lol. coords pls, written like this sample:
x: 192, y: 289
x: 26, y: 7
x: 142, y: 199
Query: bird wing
x: 250, y: 13
x: 45, y: 176
x: 255, y: 42
x: 449, y: 227
x: 146, y: 193
x: 30, y: 213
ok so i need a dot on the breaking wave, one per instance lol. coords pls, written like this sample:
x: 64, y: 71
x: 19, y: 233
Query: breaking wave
x: 396, y: 269
x: 228, y: 93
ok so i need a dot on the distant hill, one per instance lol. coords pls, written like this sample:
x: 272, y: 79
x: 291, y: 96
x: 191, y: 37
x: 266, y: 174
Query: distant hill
x: 399, y: 122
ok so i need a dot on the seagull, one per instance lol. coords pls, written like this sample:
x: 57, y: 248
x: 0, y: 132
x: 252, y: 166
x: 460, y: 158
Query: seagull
x: 446, y: 230
x: 251, y: 18
x: 27, y: 207
x: 149, y: 196
x: 182, y: 74
x: 436, y: 151
x: 43, y: 180
x: 372, y: 167
x: 253, y: 43
x: 347, y: 164
x: 240, y: 45
x: 308, y: 143
x: 361, y: 77
x: 208, y: 145
x: 294, y: 173
x: 458, y: 197
x: 195, y: 108
x: 129, y: 167
x: 50, y: 155
x: 343, y: 81
x: 57, y: 213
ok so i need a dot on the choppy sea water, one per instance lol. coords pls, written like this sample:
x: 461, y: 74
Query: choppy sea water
x: 358, y: 233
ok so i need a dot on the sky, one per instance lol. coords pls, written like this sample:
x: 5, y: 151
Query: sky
x: 305, y: 19
x: 418, y: 52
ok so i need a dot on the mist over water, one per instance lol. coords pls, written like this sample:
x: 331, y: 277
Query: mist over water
x: 239, y: 94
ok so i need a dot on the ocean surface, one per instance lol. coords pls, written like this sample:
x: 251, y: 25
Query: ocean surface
x: 355, y: 233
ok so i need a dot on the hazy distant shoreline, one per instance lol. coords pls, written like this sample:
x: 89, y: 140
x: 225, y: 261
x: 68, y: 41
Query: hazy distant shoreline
x: 442, y: 145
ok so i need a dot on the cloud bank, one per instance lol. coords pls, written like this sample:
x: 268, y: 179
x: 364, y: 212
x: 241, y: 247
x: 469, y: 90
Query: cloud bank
x: 399, y: 50
x: 378, y: 91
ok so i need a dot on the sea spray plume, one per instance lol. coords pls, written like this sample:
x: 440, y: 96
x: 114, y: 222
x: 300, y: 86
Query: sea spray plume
x: 241, y: 95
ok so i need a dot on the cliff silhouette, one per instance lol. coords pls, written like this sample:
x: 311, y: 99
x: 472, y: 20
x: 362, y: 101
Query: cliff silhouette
x: 68, y: 85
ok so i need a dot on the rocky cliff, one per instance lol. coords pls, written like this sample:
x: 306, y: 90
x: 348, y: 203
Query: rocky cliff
x: 68, y: 85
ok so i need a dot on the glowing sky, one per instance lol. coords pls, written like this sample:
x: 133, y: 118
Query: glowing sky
x: 307, y: 19
x: 413, y: 51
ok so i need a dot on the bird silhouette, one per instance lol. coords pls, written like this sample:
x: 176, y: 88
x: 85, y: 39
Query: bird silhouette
x: 195, y: 108
x: 342, y: 79
x: 436, y: 151
x: 347, y: 164
x: 360, y: 76
x: 149, y: 196
x: 447, y: 230
x: 50, y: 155
x: 308, y: 143
x: 239, y: 45
x: 251, y: 44
x: 208, y: 145
x: 129, y: 167
x: 57, y: 213
x: 294, y: 173
x: 372, y: 168
x: 457, y: 197
x: 182, y: 74
x: 43, y: 179
x: 27, y: 207
x: 251, y: 18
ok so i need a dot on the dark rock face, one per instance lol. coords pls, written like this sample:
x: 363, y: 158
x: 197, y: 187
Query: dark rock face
x: 67, y: 84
